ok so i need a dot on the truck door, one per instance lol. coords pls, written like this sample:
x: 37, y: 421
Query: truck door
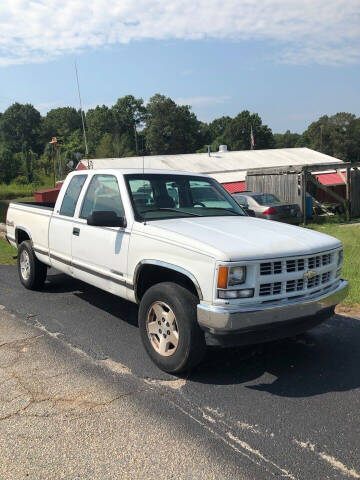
x: 99, y: 254
x: 61, y: 226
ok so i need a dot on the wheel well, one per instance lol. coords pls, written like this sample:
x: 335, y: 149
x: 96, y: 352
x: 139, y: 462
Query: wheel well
x: 150, y: 275
x: 21, y: 236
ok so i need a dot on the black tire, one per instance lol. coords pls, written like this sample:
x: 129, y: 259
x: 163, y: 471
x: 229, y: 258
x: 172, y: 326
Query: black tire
x: 191, y: 345
x: 35, y: 277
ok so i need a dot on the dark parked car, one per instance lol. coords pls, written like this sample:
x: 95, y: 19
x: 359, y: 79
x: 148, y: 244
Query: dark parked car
x: 267, y: 205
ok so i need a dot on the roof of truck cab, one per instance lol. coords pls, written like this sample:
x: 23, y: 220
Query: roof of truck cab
x: 132, y: 171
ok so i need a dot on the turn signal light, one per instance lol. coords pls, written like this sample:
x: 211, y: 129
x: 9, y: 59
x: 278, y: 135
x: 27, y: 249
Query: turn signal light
x: 223, y: 277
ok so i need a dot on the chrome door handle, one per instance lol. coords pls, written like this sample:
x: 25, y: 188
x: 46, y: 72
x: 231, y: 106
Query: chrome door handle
x: 76, y: 231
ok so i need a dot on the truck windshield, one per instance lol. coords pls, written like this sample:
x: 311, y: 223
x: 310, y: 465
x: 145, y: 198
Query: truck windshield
x: 160, y: 196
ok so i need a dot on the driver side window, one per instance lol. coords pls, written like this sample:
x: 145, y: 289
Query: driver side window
x: 103, y: 194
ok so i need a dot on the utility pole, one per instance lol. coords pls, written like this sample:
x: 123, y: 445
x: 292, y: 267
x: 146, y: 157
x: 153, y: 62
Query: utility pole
x: 53, y: 144
x: 321, y: 138
x: 136, y: 141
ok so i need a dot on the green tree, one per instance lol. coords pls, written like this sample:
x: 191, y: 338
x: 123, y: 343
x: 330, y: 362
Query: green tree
x: 105, y: 148
x: 60, y: 122
x: 20, y: 128
x: 73, y: 143
x: 170, y: 128
x: 128, y: 115
x: 9, y: 166
x: 238, y: 131
x: 286, y: 140
x: 332, y: 135
x: 353, y: 145
x: 99, y: 120
x: 218, y: 126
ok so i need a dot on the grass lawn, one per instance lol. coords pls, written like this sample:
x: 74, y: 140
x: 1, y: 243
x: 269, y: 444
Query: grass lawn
x: 350, y: 236
x: 6, y: 253
x: 14, y: 190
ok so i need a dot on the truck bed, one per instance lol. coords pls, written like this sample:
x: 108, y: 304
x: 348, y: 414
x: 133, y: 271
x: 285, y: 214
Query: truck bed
x: 32, y: 218
x: 46, y: 205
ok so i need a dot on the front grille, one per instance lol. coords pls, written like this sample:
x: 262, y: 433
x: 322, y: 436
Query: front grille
x: 294, y: 285
x: 325, y: 277
x: 270, y: 268
x: 314, y: 281
x: 297, y: 285
x: 295, y: 268
x: 296, y: 265
x: 270, y: 289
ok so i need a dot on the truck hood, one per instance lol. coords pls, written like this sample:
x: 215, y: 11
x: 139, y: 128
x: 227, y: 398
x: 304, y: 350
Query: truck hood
x: 241, y: 238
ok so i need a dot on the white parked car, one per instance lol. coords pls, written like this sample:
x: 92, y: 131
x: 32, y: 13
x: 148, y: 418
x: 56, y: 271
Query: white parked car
x: 202, y: 272
x: 268, y: 206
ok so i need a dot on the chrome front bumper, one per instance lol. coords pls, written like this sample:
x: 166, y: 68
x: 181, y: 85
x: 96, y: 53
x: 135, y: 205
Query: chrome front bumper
x: 221, y: 320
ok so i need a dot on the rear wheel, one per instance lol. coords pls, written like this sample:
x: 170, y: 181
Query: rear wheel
x: 32, y: 272
x: 169, y: 329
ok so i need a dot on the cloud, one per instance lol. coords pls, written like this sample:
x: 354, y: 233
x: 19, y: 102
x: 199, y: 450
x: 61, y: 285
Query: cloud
x: 195, y: 101
x: 300, y: 31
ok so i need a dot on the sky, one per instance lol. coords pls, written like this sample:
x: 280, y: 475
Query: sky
x: 290, y: 61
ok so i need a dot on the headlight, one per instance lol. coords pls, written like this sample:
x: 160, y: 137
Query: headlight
x: 340, y: 257
x: 231, y: 276
x: 236, y: 276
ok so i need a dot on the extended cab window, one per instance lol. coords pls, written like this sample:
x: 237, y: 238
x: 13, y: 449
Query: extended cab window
x: 103, y: 194
x: 71, y: 195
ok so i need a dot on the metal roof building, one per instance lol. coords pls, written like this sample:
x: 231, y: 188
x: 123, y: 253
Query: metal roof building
x: 224, y: 166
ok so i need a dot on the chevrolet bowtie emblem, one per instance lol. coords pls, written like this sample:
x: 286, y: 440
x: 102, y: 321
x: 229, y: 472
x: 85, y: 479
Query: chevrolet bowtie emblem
x: 310, y: 274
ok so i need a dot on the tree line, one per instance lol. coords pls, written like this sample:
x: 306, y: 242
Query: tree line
x: 130, y: 127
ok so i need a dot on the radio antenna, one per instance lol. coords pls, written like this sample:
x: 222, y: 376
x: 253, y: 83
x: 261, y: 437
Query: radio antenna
x: 82, y: 116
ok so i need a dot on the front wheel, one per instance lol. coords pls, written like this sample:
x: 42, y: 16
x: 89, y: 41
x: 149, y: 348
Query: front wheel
x: 169, y: 329
x: 32, y: 272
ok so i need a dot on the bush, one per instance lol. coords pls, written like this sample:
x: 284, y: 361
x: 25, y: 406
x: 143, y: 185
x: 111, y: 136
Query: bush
x: 21, y: 188
x: 20, y: 180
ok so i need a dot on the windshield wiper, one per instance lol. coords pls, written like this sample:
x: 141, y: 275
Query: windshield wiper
x: 170, y: 210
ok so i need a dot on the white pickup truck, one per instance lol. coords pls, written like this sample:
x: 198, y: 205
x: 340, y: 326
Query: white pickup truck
x: 203, y: 272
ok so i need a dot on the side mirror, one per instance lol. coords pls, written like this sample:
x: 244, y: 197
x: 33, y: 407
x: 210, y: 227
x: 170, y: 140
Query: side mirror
x: 106, y: 218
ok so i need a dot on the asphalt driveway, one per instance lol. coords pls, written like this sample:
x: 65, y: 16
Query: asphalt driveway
x: 289, y: 408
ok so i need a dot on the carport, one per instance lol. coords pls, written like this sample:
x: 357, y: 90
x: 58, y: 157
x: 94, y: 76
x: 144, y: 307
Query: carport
x: 294, y: 182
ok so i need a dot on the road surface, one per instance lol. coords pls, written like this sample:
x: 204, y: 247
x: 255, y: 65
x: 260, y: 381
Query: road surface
x: 286, y: 409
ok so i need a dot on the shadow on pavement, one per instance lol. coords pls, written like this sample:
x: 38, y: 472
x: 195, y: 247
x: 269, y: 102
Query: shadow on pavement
x: 325, y: 359
x: 116, y: 306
